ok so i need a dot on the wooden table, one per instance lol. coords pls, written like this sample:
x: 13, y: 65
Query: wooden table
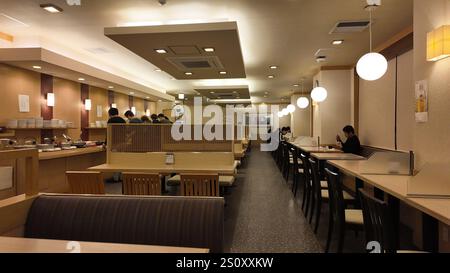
x: 22, y: 245
x: 308, y: 149
x: 336, y: 156
x: 396, y: 186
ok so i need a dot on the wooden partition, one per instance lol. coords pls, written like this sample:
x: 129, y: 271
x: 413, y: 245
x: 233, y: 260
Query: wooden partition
x: 19, y: 172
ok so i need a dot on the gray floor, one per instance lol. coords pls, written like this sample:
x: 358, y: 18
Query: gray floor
x: 261, y: 213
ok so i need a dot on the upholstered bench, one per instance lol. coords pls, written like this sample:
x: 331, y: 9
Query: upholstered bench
x: 167, y: 221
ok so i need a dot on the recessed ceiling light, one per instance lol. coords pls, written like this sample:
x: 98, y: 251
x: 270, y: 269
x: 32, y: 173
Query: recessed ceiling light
x: 159, y: 100
x: 81, y: 79
x: 209, y: 49
x: 222, y: 72
x: 271, y: 76
x: 338, y: 42
x: 147, y: 97
x: 111, y: 87
x: 131, y: 93
x: 267, y: 93
x: 212, y: 92
x: 273, y: 67
x: 234, y: 92
x: 188, y: 73
x: 51, y: 8
x: 158, y: 70
x: 161, y: 51
x: 37, y: 67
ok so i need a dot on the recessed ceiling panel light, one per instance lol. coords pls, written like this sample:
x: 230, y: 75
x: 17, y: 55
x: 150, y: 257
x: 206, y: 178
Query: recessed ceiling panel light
x: 188, y: 73
x: 161, y: 51
x: 296, y: 85
x: 209, y: 49
x: 37, y: 67
x: 338, y: 42
x: 51, y: 8
x: 111, y: 87
x: 81, y: 79
x: 158, y: 70
x: 273, y: 67
x: 222, y: 72
x: 212, y: 92
x: 131, y: 93
x: 271, y: 76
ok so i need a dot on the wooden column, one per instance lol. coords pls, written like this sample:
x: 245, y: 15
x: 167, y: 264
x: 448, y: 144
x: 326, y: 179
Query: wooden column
x: 130, y: 101
x: 110, y: 98
x: 84, y: 113
x: 46, y: 111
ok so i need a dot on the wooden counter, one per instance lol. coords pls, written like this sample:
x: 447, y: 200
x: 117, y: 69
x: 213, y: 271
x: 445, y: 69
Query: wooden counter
x: 54, y: 165
x: 69, y: 153
x: 22, y: 245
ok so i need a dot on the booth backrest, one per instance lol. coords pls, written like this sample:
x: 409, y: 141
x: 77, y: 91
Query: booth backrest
x: 166, y: 221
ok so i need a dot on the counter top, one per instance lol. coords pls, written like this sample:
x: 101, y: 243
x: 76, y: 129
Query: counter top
x: 69, y: 153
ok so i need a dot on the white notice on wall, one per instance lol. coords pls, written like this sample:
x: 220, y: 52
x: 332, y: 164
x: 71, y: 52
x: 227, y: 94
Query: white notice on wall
x: 24, y: 104
x: 99, y: 111
x: 421, y: 93
x: 6, y: 178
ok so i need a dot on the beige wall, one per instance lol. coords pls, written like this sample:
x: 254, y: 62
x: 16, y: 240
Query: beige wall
x: 431, y: 139
x: 99, y: 97
x: 330, y: 116
x: 301, y: 119
x: 15, y: 82
x: 68, y: 104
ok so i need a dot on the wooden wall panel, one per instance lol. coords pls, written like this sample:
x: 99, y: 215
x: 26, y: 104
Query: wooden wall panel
x: 67, y: 104
x: 84, y: 118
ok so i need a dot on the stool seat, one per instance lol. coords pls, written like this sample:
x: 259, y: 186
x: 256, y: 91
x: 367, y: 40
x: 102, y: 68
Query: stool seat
x: 347, y: 196
x: 354, y: 217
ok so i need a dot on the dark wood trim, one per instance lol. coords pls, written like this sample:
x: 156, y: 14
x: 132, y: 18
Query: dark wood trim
x: 110, y: 97
x: 84, y: 114
x: 396, y: 106
x: 130, y: 101
x: 400, y: 47
x: 145, y: 105
x: 338, y: 67
x: 46, y: 111
x: 356, y: 100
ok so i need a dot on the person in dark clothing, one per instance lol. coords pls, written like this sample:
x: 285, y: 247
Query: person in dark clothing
x: 155, y: 119
x: 163, y: 119
x: 114, y: 116
x: 146, y: 119
x: 131, y: 119
x: 352, y: 145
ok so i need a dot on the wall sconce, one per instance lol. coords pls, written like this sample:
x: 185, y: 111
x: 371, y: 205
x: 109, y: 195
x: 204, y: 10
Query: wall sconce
x: 133, y: 109
x: 147, y: 112
x: 113, y: 105
x: 50, y: 99
x: 438, y: 44
x: 88, y: 105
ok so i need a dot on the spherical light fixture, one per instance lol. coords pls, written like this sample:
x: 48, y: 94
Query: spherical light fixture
x: 291, y: 108
x: 285, y: 111
x: 280, y: 114
x: 319, y: 94
x: 303, y: 102
x: 372, y: 66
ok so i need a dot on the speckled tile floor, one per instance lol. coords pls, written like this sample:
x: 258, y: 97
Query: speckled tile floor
x: 262, y: 215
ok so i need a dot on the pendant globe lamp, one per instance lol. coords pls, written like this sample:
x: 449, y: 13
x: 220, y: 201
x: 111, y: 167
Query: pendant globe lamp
x: 319, y: 94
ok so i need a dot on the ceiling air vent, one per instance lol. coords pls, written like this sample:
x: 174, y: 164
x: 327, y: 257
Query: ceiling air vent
x: 195, y: 63
x: 225, y: 95
x: 350, y: 26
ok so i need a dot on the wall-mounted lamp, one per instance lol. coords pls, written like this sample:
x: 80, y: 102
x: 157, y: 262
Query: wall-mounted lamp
x: 133, y: 109
x: 113, y: 105
x: 438, y: 44
x: 147, y: 112
x: 50, y: 99
x: 88, y: 105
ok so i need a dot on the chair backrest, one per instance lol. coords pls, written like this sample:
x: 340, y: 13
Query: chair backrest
x: 295, y: 153
x: 336, y: 195
x: 199, y: 185
x: 378, y: 222
x: 315, y: 177
x: 141, y: 184
x: 85, y: 182
x: 306, y: 166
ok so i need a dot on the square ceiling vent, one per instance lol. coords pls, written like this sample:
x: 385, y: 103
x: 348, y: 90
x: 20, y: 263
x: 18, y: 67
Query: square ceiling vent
x: 350, y: 26
x: 195, y: 63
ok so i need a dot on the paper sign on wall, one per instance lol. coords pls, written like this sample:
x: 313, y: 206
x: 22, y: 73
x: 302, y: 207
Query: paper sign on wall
x: 99, y: 111
x: 6, y: 178
x: 422, y: 101
x: 24, y: 104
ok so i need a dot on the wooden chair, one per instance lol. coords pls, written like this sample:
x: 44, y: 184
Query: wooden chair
x: 85, y: 182
x: 297, y: 169
x: 141, y: 184
x: 307, y: 185
x: 199, y: 185
x: 340, y: 216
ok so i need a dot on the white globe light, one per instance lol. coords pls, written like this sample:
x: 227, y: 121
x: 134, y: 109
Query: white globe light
x: 285, y: 111
x: 291, y: 108
x: 303, y: 102
x: 372, y: 66
x: 319, y: 94
x: 280, y: 114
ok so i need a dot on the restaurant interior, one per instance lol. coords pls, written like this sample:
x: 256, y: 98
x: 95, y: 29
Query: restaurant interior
x: 224, y: 126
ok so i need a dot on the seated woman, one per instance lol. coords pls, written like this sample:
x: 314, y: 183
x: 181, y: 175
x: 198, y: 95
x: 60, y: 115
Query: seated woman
x: 352, y: 145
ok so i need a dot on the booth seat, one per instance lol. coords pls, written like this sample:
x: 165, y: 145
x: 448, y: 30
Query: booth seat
x: 167, y: 221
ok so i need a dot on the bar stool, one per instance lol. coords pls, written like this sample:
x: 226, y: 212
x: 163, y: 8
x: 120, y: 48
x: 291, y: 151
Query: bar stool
x: 339, y: 215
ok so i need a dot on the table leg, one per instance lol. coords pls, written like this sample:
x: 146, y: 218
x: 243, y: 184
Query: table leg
x: 430, y: 233
x: 163, y: 184
x: 359, y: 184
x: 394, y: 208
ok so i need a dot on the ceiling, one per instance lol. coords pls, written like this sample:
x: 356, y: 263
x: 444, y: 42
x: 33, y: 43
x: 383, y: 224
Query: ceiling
x: 185, y: 49
x: 285, y: 33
